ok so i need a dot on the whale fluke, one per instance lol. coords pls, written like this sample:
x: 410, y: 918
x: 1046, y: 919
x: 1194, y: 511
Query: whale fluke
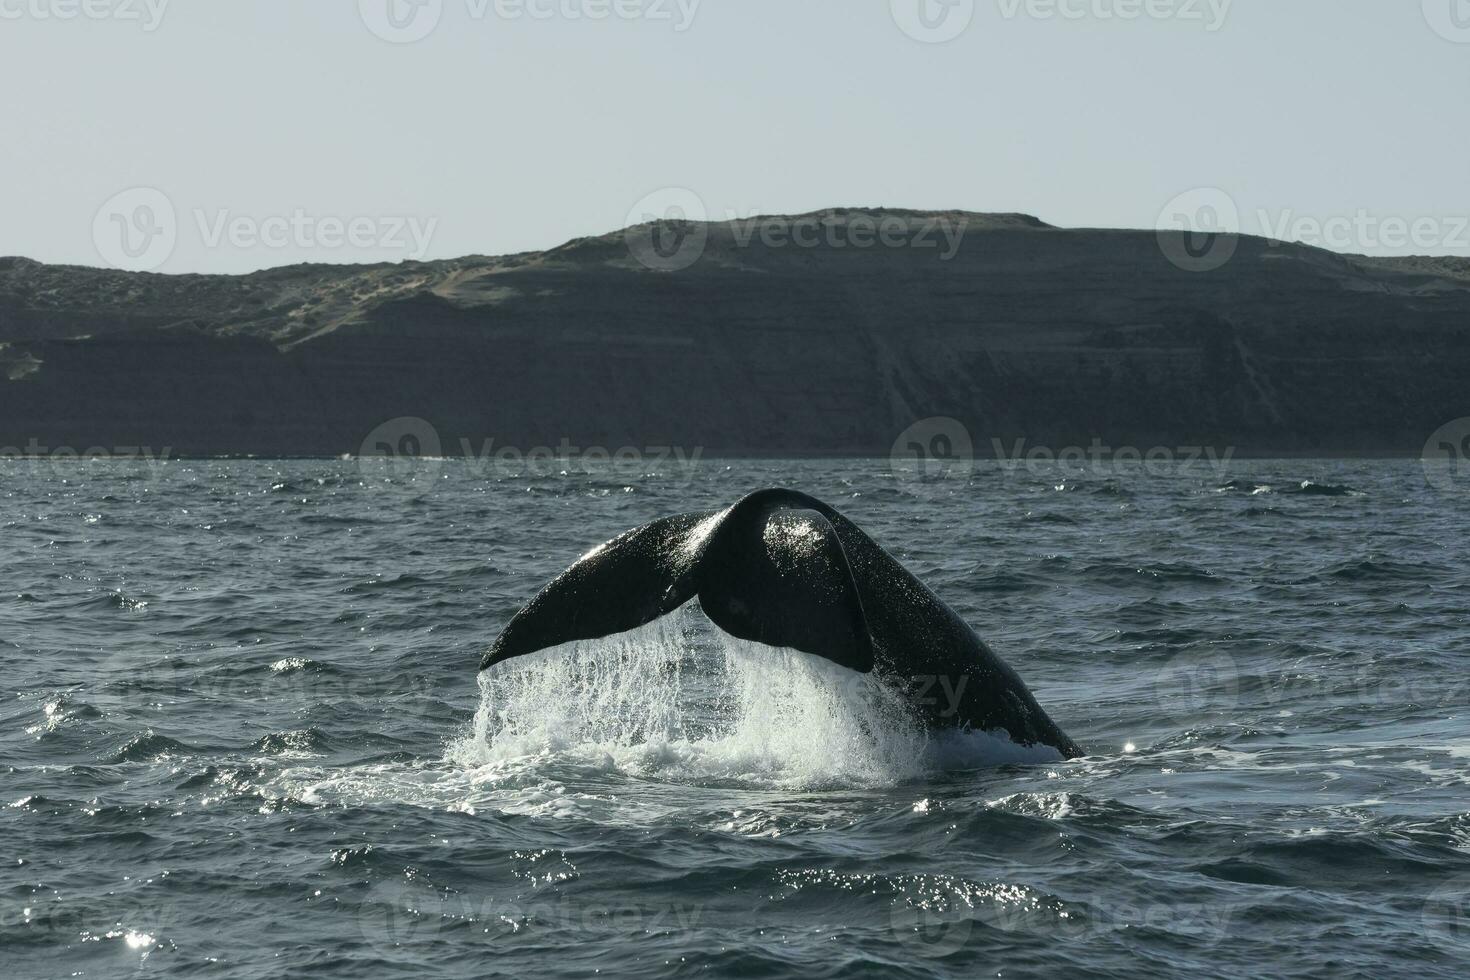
x: 783, y: 569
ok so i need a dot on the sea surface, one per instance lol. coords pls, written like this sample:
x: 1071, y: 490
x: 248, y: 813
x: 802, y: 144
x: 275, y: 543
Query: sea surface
x: 242, y: 733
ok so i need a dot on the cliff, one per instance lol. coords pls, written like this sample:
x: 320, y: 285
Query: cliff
x: 817, y: 334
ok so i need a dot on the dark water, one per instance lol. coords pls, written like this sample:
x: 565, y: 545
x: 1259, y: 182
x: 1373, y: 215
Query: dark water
x: 242, y: 739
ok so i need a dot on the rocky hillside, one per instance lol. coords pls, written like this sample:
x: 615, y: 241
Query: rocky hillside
x: 824, y: 333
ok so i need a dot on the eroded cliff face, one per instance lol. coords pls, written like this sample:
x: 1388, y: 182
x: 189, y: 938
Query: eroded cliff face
x: 827, y: 333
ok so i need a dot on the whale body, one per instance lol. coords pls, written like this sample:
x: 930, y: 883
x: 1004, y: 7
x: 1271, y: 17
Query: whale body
x: 783, y: 569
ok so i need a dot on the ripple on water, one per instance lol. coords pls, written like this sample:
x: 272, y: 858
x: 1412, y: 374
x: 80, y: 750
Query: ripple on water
x: 249, y: 737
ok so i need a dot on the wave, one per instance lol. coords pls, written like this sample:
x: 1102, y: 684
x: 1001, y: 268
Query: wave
x: 309, y: 741
x: 61, y: 710
x: 405, y: 581
x: 1244, y: 486
x: 1309, y: 488
x: 145, y: 747
x: 112, y: 600
x: 301, y: 665
x: 1369, y: 569
x: 1173, y: 573
x: 1306, y: 488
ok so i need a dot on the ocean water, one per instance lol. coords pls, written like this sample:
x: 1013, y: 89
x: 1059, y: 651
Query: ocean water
x: 243, y: 735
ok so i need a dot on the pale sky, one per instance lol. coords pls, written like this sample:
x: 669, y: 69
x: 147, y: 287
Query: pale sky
x: 279, y: 131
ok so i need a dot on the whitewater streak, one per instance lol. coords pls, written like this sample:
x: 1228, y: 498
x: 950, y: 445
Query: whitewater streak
x: 680, y: 700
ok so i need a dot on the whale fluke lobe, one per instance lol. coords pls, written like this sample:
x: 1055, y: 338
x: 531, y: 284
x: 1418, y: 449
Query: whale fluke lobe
x: 619, y: 586
x: 783, y: 569
x: 768, y: 569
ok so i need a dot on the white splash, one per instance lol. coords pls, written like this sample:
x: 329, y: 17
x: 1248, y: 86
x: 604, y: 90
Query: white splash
x: 680, y: 701
x: 601, y: 729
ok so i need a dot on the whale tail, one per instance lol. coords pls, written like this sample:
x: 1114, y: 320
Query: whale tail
x: 785, y: 570
x: 772, y: 569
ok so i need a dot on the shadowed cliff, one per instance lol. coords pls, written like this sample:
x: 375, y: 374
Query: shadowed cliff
x: 824, y: 333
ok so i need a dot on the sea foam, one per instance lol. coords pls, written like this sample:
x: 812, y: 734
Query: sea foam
x: 681, y: 701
